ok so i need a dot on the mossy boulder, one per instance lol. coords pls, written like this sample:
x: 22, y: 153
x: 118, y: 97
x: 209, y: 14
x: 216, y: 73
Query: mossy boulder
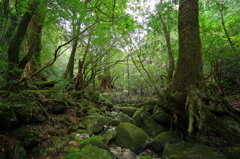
x: 162, y: 138
x: 190, y: 151
x: 109, y: 135
x: 127, y: 110
x: 14, y: 149
x: 232, y: 152
x: 148, y: 124
x: 118, y: 117
x: 94, y: 123
x: 71, y: 150
x: 132, y: 137
x: 89, y: 152
x: 97, y: 141
x: 162, y: 118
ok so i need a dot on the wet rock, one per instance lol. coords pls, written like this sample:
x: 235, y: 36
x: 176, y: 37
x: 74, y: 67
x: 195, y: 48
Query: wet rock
x: 150, y: 126
x: 189, y: 150
x: 162, y: 138
x: 232, y: 152
x: 127, y: 110
x: 132, y: 137
x: 119, y: 116
x: 85, y: 153
x: 15, y: 150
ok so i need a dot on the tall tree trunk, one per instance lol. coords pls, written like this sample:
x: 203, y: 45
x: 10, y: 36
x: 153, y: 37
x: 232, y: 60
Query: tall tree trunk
x: 14, y: 47
x: 31, y: 61
x: 189, y: 113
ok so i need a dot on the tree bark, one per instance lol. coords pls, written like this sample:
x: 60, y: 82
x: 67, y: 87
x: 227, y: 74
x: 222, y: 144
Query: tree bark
x: 14, y: 47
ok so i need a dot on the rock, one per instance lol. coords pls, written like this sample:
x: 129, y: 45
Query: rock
x: 89, y: 152
x: 232, y: 152
x: 162, y: 138
x: 15, y: 150
x: 132, y: 137
x: 150, y: 126
x: 109, y: 135
x: 94, y: 123
x: 127, y: 110
x: 162, y: 118
x: 189, y: 150
x: 97, y: 141
x: 58, y: 107
x: 119, y: 116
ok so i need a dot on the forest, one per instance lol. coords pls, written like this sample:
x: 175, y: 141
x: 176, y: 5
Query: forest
x: 119, y: 79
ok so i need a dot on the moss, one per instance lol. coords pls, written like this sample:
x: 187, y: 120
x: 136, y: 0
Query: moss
x: 132, y: 137
x: 144, y: 157
x: 97, y: 141
x: 71, y: 150
x: 190, y: 151
x: 15, y: 149
x: 89, y: 152
x: 159, y: 141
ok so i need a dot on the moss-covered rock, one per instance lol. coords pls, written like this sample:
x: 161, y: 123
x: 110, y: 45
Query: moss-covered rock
x: 150, y: 126
x: 97, y: 141
x: 109, y: 135
x: 190, y: 151
x: 232, y: 152
x: 132, y: 137
x: 144, y: 157
x: 94, y: 123
x: 127, y: 110
x: 71, y: 150
x: 119, y: 117
x: 14, y: 149
x: 162, y: 138
x: 89, y: 152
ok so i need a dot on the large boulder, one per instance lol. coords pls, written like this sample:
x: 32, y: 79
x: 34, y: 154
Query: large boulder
x: 185, y: 150
x: 132, y: 137
x: 150, y: 126
x: 94, y: 123
x: 90, y: 152
x: 161, y: 139
x: 127, y: 110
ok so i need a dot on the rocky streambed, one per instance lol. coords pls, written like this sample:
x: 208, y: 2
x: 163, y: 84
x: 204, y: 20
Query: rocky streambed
x: 95, y: 128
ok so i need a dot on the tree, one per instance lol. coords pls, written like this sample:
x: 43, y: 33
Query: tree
x: 186, y: 93
x: 13, y: 51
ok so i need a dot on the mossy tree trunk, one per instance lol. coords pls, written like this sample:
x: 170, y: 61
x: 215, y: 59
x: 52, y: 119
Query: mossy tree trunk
x: 185, y: 93
x: 14, y: 65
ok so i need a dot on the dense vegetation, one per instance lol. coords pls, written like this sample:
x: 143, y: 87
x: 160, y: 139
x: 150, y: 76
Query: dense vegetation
x: 82, y: 57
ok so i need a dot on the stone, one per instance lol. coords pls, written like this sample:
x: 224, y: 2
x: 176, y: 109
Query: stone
x: 58, y: 107
x: 185, y: 150
x: 162, y: 138
x: 127, y: 110
x: 132, y: 137
x: 109, y: 135
x: 89, y: 152
x: 94, y: 123
x: 150, y: 126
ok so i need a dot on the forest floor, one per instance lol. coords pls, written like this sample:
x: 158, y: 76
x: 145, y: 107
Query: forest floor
x: 49, y: 134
